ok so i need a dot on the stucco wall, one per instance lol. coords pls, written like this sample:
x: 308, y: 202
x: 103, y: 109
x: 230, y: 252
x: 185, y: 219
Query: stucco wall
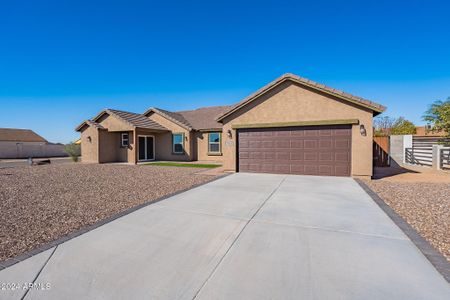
x: 114, y: 124
x: 164, y: 141
x: 111, y: 150
x: 90, y: 145
x: 290, y: 102
x: 201, y: 139
x: 30, y: 149
x: 396, y: 150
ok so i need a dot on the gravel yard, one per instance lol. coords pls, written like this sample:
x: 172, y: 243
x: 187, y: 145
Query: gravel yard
x: 423, y: 200
x: 42, y: 203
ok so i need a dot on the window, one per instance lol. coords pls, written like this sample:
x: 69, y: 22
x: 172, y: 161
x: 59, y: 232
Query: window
x: 214, y: 142
x: 124, y: 141
x: 178, y: 143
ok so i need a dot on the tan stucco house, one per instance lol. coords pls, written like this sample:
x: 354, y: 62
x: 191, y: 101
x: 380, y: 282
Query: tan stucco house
x: 24, y: 143
x: 292, y: 125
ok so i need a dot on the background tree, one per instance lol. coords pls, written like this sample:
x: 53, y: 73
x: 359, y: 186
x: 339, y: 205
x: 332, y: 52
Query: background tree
x: 386, y: 126
x: 438, y: 115
x: 383, y: 125
x: 402, y: 126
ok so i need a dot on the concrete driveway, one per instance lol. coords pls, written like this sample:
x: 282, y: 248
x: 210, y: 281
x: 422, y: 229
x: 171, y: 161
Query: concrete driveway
x: 245, y: 236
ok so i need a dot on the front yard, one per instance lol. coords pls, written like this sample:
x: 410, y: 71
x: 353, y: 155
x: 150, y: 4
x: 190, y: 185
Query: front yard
x: 422, y: 198
x: 42, y: 203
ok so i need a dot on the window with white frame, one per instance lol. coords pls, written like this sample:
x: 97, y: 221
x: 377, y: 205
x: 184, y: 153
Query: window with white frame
x: 125, y: 139
x: 178, y: 143
x: 214, y: 139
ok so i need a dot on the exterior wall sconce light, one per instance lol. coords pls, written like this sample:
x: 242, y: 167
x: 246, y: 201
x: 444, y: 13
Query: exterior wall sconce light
x: 89, y: 139
x: 229, y: 133
x: 362, y: 130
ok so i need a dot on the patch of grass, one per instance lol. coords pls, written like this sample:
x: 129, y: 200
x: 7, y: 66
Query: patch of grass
x: 184, y: 165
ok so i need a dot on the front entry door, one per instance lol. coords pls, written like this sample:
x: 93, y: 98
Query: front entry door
x: 146, y: 147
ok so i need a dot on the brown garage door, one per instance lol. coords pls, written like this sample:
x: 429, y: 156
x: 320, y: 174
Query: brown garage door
x: 312, y: 150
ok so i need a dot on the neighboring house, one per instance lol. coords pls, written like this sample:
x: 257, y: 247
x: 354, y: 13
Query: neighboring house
x: 24, y: 143
x: 292, y: 125
x: 426, y: 131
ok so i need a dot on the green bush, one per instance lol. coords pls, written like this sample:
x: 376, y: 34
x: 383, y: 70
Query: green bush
x: 438, y: 115
x: 73, y: 150
x: 402, y: 126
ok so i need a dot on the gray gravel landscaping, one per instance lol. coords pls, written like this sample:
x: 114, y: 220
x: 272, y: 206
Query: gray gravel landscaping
x: 424, y: 205
x: 42, y: 203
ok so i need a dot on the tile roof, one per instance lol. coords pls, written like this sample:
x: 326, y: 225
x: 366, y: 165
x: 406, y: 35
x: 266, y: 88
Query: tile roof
x: 205, y: 117
x: 377, y: 108
x: 94, y: 124
x: 136, y: 120
x: 173, y: 116
x: 90, y: 123
x: 20, y: 135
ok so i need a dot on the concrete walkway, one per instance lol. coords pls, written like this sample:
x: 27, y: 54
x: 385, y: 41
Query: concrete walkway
x: 245, y: 236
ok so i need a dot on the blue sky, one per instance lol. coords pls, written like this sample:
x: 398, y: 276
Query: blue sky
x: 63, y: 61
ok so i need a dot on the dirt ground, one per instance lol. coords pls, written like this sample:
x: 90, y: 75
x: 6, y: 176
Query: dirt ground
x: 422, y: 197
x: 39, y: 204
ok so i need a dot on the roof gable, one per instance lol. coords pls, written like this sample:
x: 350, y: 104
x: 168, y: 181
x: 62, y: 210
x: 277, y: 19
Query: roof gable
x: 135, y: 120
x: 198, y: 119
x: 128, y: 118
x: 375, y: 107
x: 20, y: 135
x: 171, y: 116
x: 205, y: 117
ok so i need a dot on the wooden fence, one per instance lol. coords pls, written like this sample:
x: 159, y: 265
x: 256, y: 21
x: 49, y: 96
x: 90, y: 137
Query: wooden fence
x: 381, y: 151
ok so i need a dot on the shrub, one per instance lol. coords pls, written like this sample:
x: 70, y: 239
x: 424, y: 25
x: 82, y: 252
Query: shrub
x: 73, y: 150
x: 403, y: 126
x: 439, y: 116
x: 386, y: 126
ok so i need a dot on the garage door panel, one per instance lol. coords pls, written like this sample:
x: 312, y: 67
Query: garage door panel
x: 254, y: 167
x: 311, y: 132
x: 342, y: 132
x: 297, y: 144
x: 269, y: 155
x: 326, y: 156
x: 310, y: 144
x: 342, y: 144
x: 267, y: 133
x: 282, y: 168
x: 283, y: 144
x: 243, y: 144
x: 342, y: 170
x: 311, y: 170
x: 328, y: 143
x: 325, y: 132
x: 342, y: 157
x: 297, y: 169
x: 282, y: 155
x: 267, y: 168
x: 298, y: 133
x: 267, y: 144
x: 296, y: 156
x: 243, y: 155
x: 256, y: 155
x: 314, y: 150
x: 254, y: 144
x: 282, y: 133
x: 311, y: 156
x: 326, y: 170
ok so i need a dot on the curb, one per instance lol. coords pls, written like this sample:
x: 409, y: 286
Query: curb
x: 435, y: 257
x: 21, y: 257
